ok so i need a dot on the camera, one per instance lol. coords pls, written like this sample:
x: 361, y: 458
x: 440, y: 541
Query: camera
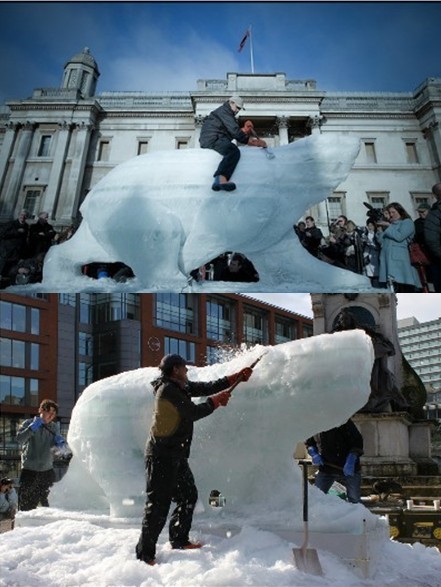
x: 374, y: 214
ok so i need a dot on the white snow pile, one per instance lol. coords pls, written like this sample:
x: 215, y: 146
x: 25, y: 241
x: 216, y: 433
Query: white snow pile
x: 158, y: 214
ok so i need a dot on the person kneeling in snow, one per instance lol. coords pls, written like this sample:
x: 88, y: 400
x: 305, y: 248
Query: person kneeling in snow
x: 337, y: 453
x: 169, y: 477
x: 218, y: 130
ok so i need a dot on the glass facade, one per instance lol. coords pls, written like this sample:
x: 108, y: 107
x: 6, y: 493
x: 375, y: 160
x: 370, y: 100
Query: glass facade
x: 176, y: 312
x: 255, y: 326
x: 18, y: 391
x: 284, y: 331
x: 220, y: 320
x: 181, y: 347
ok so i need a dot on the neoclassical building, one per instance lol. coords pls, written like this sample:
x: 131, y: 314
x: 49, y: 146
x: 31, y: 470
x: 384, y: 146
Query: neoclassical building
x: 56, y: 145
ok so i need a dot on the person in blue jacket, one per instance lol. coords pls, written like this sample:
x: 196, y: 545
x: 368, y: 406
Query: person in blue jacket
x: 37, y: 436
x: 395, y: 266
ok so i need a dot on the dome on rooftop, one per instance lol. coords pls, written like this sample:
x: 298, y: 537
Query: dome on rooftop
x: 85, y: 57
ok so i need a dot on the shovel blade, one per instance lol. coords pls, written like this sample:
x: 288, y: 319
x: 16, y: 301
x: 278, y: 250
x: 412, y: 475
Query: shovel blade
x: 307, y: 561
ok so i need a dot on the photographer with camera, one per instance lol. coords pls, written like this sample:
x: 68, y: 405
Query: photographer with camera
x: 396, y: 269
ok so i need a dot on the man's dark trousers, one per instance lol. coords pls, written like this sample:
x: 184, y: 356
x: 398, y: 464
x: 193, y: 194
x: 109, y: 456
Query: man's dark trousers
x: 168, y: 479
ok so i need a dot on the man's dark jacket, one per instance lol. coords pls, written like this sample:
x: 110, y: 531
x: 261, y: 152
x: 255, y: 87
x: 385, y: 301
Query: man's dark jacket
x: 432, y: 232
x: 334, y: 446
x: 13, y: 241
x: 171, y: 432
x: 221, y: 123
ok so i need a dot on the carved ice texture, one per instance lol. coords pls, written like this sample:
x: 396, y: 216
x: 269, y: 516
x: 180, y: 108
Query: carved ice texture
x: 244, y: 450
x: 158, y: 214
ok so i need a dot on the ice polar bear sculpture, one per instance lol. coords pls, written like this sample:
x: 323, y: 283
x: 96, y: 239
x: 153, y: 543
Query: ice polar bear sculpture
x: 158, y: 214
x: 245, y: 449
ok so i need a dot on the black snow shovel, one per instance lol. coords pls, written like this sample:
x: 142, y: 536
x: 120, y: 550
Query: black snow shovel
x: 306, y: 559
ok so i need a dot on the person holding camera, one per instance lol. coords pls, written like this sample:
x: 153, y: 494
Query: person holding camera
x: 8, y: 499
x: 37, y: 436
x: 396, y: 269
x: 169, y: 477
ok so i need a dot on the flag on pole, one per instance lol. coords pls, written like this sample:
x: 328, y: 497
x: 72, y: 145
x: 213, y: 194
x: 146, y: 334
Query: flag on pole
x: 244, y: 40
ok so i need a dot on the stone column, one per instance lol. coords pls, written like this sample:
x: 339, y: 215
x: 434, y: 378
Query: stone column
x: 282, y: 123
x: 432, y: 134
x: 12, y: 191
x: 67, y: 207
x: 314, y: 123
x: 5, y: 154
x: 198, y: 122
x: 56, y: 175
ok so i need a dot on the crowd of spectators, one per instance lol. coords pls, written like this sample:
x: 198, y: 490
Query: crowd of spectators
x: 23, y: 247
x: 383, y: 249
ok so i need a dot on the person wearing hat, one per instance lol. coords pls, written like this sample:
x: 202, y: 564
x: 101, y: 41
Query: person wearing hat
x: 218, y: 130
x: 169, y: 477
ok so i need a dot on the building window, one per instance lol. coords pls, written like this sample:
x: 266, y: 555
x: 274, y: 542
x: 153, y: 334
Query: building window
x: 84, y: 309
x: 335, y: 206
x: 307, y: 331
x: 45, y: 143
x: 420, y: 198
x: 411, y: 152
x: 142, y: 147
x: 185, y: 348
x: 284, y: 331
x: 255, y: 327
x: 19, y: 354
x: 103, y: 150
x: 31, y: 201
x: 35, y: 321
x: 220, y: 320
x: 85, y: 374
x: 67, y: 299
x: 176, y: 312
x: 369, y: 148
x: 12, y: 317
x: 85, y: 344
x: 113, y: 307
x: 378, y: 199
x: 12, y: 390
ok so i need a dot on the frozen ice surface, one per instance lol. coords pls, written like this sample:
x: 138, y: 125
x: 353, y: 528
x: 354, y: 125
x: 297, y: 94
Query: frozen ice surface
x: 158, y: 214
x: 244, y: 450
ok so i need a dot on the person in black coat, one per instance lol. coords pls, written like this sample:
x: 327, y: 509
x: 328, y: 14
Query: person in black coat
x: 218, y: 130
x: 337, y: 453
x: 239, y: 268
x: 432, y: 236
x: 41, y: 235
x: 169, y: 477
x: 13, y: 242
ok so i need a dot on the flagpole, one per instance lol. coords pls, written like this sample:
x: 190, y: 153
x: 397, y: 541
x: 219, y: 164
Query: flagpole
x: 251, y: 51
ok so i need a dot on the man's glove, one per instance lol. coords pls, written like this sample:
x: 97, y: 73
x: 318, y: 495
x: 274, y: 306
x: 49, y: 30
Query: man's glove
x: 220, y: 399
x: 36, y: 423
x: 59, y: 440
x: 244, y: 375
x: 349, y: 468
x: 316, y: 457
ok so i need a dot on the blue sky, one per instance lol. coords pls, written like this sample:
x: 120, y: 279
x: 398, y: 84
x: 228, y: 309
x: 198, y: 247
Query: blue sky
x: 158, y: 46
x: 424, y: 307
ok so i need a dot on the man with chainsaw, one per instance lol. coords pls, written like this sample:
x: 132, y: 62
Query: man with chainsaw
x: 169, y: 477
x: 337, y: 453
x: 218, y: 130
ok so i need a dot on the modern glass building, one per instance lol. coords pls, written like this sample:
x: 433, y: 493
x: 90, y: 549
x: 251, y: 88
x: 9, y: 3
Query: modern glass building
x: 421, y: 345
x: 55, y: 345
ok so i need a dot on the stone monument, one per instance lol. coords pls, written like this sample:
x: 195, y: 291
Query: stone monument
x: 397, y: 437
